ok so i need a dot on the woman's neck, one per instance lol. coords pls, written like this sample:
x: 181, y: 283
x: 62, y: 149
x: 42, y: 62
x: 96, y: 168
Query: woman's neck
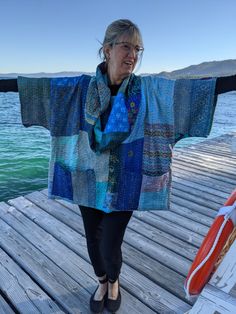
x: 113, y: 80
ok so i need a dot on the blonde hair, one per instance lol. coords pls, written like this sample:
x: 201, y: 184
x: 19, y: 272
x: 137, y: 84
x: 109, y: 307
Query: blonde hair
x: 117, y: 29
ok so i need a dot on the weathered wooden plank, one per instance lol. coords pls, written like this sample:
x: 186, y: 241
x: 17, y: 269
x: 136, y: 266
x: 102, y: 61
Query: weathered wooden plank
x: 222, y: 153
x: 196, y: 170
x: 165, y: 298
x: 171, y: 228
x: 209, y: 171
x: 216, y: 174
x: 53, y: 208
x: 226, y: 168
x: 233, y: 291
x: 191, y: 214
x: 159, y: 253
x: 26, y: 296
x: 166, y: 240
x: 132, y: 237
x: 222, y: 145
x: 198, y: 186
x: 68, y: 293
x: 218, y: 150
x: 182, y: 221
x: 197, y: 199
x: 205, y: 181
x: 4, y: 307
x: 207, y: 158
x: 162, y: 275
x: 209, y: 212
x: 167, y: 305
x: 222, y: 170
x: 179, y: 188
x: 214, y: 301
x: 227, y: 155
x: 149, y: 247
x: 199, y: 209
x: 66, y: 260
x: 223, y: 142
x: 211, y: 146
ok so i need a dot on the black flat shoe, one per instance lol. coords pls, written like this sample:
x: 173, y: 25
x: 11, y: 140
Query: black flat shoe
x: 113, y: 305
x: 98, y: 306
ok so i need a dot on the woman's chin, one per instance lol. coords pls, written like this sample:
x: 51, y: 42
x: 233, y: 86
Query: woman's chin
x: 128, y: 71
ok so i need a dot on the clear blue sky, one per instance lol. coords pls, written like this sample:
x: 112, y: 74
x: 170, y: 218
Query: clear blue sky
x: 63, y: 35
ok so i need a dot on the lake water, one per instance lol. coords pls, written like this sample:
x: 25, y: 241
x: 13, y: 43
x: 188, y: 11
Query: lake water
x: 24, y: 152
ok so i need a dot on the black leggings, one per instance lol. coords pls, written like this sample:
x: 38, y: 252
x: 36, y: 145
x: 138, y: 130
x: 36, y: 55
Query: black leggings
x: 104, y: 234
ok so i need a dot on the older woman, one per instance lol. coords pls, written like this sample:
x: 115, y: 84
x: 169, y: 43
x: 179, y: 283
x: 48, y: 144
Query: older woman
x: 112, y: 139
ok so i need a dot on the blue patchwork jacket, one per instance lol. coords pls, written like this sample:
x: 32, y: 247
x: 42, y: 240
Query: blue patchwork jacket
x: 126, y: 166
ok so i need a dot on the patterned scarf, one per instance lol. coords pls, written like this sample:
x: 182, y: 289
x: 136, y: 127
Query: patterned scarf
x: 125, y: 106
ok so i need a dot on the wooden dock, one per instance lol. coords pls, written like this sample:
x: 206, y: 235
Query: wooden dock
x: 44, y: 265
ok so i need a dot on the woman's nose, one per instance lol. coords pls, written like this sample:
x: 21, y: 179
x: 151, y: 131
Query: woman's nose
x: 132, y: 52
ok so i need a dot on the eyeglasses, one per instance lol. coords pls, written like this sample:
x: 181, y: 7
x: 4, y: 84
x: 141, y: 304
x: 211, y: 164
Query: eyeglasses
x: 128, y: 47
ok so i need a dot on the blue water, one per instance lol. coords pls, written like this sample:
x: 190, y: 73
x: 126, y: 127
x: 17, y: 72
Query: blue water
x: 25, y: 152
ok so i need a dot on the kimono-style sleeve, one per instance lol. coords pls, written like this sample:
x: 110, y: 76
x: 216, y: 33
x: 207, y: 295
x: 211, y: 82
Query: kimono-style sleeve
x: 53, y: 103
x: 193, y: 106
x: 35, y: 101
x: 183, y: 106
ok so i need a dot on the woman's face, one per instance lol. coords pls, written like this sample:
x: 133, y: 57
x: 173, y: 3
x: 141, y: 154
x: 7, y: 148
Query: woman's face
x: 122, y: 58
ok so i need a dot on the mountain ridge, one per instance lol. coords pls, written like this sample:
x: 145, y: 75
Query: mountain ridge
x: 204, y: 69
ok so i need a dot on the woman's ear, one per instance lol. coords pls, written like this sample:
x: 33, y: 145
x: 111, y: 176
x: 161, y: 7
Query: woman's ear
x: 106, y: 51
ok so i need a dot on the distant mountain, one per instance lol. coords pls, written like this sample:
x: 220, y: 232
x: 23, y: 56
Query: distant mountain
x: 205, y: 69
x: 44, y: 74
